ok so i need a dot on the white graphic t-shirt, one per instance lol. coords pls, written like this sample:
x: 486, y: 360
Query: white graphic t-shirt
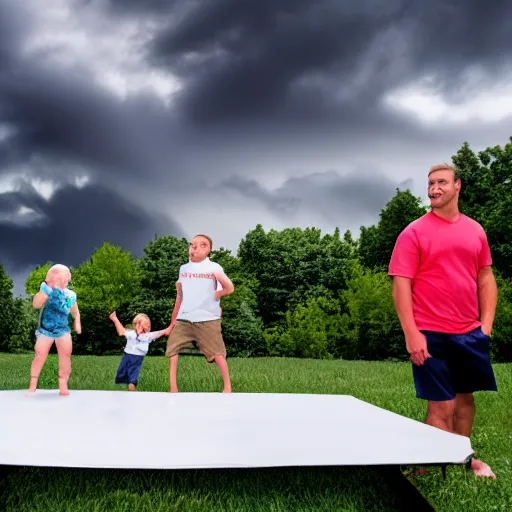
x: 198, y: 284
x: 138, y: 345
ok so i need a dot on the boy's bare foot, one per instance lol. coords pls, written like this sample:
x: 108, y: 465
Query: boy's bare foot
x: 33, y: 385
x: 480, y: 468
x: 63, y: 387
x: 131, y: 387
x: 174, y: 390
x: 227, y: 389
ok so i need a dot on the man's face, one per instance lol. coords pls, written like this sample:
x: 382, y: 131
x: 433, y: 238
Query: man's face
x: 199, y: 248
x: 442, y: 188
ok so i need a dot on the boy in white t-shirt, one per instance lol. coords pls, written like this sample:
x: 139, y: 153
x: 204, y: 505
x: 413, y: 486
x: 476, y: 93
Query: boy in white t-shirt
x: 197, y: 314
x: 137, y: 346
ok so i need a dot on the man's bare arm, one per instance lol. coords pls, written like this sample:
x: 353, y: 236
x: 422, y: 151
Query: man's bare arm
x: 416, y: 342
x: 487, y: 298
x: 402, y: 297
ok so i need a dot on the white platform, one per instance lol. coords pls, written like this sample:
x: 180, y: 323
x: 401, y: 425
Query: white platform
x: 120, y: 429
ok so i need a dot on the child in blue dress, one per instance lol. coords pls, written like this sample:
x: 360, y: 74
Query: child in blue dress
x: 55, y: 302
x: 137, y: 345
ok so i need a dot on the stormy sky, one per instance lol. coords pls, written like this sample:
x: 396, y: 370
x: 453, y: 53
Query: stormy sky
x: 125, y: 119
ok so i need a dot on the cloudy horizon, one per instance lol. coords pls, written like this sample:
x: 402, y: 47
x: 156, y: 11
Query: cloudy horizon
x: 122, y: 119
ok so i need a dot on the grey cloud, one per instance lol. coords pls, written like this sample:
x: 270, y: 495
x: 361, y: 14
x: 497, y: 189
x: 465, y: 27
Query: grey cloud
x: 279, y: 201
x: 73, y: 223
x: 123, y: 7
x: 66, y: 117
x: 355, y: 197
x: 13, y: 26
x: 254, y: 58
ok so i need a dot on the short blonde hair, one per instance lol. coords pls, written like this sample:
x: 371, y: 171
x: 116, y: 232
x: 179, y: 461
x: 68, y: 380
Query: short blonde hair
x: 143, y: 320
x: 444, y: 167
x: 57, y: 269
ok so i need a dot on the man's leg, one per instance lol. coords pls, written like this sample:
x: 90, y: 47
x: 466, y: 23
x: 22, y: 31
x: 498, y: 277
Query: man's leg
x: 440, y: 414
x: 474, y: 373
x: 433, y: 383
x: 464, y: 414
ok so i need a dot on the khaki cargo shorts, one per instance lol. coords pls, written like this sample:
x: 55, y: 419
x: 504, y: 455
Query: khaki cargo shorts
x: 207, y: 335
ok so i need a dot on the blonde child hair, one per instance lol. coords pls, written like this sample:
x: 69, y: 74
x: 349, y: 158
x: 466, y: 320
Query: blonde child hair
x: 143, y: 320
x: 58, y: 269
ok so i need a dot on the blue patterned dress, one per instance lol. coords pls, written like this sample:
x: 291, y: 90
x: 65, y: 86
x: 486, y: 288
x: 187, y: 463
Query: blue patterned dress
x: 54, y: 315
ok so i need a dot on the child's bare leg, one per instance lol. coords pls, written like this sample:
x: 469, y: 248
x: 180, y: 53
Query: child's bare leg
x: 173, y: 372
x: 224, y: 372
x: 42, y: 348
x: 64, y: 349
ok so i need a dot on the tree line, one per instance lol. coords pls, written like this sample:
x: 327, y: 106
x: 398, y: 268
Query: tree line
x: 298, y: 292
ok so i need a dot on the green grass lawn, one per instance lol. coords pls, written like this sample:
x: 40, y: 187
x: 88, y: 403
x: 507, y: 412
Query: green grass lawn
x: 387, y: 385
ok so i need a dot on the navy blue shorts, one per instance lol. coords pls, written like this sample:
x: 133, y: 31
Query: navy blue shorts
x: 460, y: 363
x: 129, y: 369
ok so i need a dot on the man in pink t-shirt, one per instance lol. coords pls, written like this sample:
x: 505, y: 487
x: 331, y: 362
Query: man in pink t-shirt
x: 445, y: 296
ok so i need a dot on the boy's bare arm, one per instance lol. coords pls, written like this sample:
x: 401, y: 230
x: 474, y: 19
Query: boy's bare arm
x: 75, y: 313
x: 227, y: 286
x: 119, y: 326
x: 177, y: 306
x: 158, y: 334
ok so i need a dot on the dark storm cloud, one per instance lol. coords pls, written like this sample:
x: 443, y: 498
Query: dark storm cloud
x: 264, y: 57
x: 348, y: 199
x: 138, y: 7
x: 73, y: 223
x: 11, y: 29
x: 65, y: 116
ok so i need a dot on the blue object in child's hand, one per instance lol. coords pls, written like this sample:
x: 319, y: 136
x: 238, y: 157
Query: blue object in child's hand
x: 46, y: 288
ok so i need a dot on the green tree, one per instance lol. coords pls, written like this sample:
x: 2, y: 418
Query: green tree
x: 36, y: 277
x: 486, y: 196
x: 368, y: 246
x: 104, y: 283
x: 309, y: 330
x: 243, y: 333
x: 6, y: 308
x: 22, y: 336
x: 160, y: 265
x: 294, y: 265
x: 501, y: 343
x: 370, y: 325
x: 376, y: 243
x: 108, y: 279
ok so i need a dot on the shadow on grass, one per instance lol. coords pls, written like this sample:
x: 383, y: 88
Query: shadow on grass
x: 276, y: 489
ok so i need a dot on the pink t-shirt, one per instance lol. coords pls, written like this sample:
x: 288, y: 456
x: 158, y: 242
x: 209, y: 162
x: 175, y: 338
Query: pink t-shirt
x: 443, y: 259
